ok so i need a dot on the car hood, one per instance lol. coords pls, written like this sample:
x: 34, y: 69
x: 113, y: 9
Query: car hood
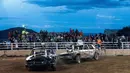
x: 39, y: 57
x: 32, y: 57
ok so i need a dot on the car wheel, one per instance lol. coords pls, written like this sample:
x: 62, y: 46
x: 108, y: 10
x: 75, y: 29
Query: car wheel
x: 78, y: 60
x: 96, y: 56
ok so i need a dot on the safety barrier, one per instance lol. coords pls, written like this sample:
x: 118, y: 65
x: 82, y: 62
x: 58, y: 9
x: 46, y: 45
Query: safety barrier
x: 108, y: 52
x: 59, y: 45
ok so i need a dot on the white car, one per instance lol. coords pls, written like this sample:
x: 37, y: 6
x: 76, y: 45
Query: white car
x: 81, y: 51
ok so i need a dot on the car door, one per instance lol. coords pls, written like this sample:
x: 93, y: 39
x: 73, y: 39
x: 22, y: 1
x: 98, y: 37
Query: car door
x: 82, y: 52
x: 86, y: 51
x: 91, y: 50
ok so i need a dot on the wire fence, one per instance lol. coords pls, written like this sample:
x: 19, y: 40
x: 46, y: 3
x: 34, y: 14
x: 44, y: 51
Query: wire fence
x: 60, y: 45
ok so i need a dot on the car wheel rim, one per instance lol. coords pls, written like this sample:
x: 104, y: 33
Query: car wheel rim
x: 96, y: 56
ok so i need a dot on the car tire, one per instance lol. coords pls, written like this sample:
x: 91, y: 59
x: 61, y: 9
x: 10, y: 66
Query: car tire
x: 78, y: 59
x: 96, y: 56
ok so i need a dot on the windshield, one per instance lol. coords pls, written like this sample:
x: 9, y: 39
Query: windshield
x: 40, y: 53
x: 37, y: 52
x: 43, y: 51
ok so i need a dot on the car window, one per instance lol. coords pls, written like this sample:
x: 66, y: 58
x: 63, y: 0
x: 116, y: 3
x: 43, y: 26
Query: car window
x: 85, y: 46
x: 90, y: 47
x: 80, y: 47
x: 75, y: 48
x: 39, y: 52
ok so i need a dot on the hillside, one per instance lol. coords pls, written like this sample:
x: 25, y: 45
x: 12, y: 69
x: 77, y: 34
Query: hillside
x: 4, y: 33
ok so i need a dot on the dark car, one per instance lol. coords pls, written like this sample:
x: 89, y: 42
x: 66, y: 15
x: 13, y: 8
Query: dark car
x: 40, y: 58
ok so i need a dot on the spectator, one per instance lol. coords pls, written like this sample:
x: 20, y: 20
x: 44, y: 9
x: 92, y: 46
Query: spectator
x: 119, y: 43
x: 99, y: 43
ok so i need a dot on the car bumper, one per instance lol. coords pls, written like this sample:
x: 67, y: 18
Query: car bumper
x: 38, y: 65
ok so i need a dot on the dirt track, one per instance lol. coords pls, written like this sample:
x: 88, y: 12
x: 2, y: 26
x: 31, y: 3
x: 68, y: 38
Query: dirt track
x: 120, y: 64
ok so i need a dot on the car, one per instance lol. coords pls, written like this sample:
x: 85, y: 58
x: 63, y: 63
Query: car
x: 81, y: 51
x: 41, y: 58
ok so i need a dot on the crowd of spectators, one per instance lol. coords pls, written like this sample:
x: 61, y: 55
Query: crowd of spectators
x: 17, y: 36
x: 71, y: 36
x: 44, y: 36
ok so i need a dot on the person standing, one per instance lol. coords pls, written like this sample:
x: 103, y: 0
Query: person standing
x: 119, y: 43
x: 99, y: 43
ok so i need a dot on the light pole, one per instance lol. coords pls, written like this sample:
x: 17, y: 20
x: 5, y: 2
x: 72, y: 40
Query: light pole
x: 24, y: 31
x: 24, y: 27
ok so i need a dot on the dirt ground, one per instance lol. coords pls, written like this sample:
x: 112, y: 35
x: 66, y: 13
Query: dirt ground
x: 119, y: 64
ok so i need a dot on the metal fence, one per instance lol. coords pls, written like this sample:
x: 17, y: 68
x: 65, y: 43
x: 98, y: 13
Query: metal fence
x: 60, y: 45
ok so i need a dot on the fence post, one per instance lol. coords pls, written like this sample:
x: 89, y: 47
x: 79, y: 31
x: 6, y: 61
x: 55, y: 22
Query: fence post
x: 34, y: 44
x: 122, y: 45
x: 56, y: 46
x: 122, y: 48
x: 12, y: 45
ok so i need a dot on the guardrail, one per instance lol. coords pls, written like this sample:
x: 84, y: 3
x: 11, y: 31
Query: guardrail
x: 59, y: 45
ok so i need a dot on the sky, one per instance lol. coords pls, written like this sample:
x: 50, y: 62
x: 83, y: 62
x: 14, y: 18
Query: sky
x: 90, y: 16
